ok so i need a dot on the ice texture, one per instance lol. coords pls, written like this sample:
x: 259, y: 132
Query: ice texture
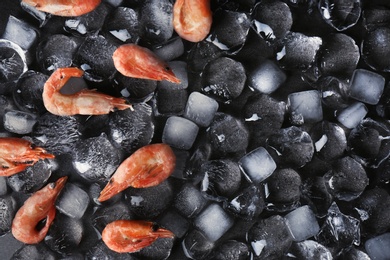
x: 196, y: 245
x: 200, y: 109
x: 257, y: 165
x: 266, y: 77
x: 13, y: 64
x: 19, y: 122
x: 189, y: 201
x: 123, y: 24
x: 180, y: 132
x: 351, y: 116
x: 213, y: 221
x: 306, y: 104
x: 8, y: 209
x: 73, y: 201
x: 378, y: 247
x: 95, y: 158
x: 248, y: 204
x: 174, y: 222
x: 375, y: 43
x: 341, y: 15
x: 367, y: 86
x: 310, y: 249
x: 302, y: 223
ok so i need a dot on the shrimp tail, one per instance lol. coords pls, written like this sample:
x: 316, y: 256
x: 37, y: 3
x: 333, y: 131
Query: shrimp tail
x: 120, y: 104
x: 111, y: 189
x: 6, y: 171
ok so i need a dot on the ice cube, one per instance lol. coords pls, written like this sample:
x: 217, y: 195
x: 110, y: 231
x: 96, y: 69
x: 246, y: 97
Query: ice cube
x: 302, y: 223
x: 179, y: 68
x: 213, y: 221
x: 109, y: 213
x: 248, y: 204
x: 180, y: 132
x: 367, y: 86
x: 73, y: 201
x: 310, y: 249
x: 200, y: 109
x: 8, y: 209
x: 378, y: 247
x: 196, y: 245
x: 8, y: 246
x: 189, y: 201
x: 36, y: 251
x: 340, y: 15
x: 307, y: 104
x: 42, y: 17
x: 20, y: 32
x: 351, y: 116
x: 3, y: 186
x: 123, y: 24
x: 257, y: 165
x: 266, y: 77
x: 230, y: 250
x: 19, y: 122
x: 170, y: 50
x: 374, y: 46
x: 174, y: 222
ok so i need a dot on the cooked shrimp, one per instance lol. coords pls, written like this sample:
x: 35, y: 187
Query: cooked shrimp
x: 35, y: 209
x: 135, y: 61
x: 192, y: 19
x: 16, y: 154
x: 84, y: 102
x: 146, y: 167
x: 64, y: 7
x: 127, y: 236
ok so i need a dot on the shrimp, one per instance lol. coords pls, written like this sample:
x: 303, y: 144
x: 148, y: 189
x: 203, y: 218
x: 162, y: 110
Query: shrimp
x: 135, y: 61
x: 146, y: 167
x: 64, y: 7
x: 16, y: 154
x: 128, y: 236
x: 192, y: 19
x: 84, y: 102
x: 35, y: 209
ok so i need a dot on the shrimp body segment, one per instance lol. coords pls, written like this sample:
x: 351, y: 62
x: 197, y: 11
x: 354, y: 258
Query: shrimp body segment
x: 36, y: 208
x: 17, y: 154
x: 84, y: 102
x: 192, y: 19
x: 64, y: 7
x: 127, y: 236
x: 135, y: 61
x: 146, y: 167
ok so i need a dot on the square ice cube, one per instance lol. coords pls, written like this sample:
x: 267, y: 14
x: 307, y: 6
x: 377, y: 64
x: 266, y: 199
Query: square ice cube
x: 200, y: 109
x: 19, y: 122
x: 20, y: 32
x: 73, y: 201
x: 257, y: 165
x: 180, y: 132
x: 351, y: 116
x: 213, y: 222
x: 302, y: 223
x: 307, y: 104
x: 267, y: 77
x: 366, y: 86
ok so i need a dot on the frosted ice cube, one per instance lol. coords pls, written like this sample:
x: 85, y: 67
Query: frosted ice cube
x: 200, y: 109
x: 266, y: 78
x: 180, y: 132
x: 19, y: 122
x: 351, y: 116
x: 378, y: 247
x: 307, y: 104
x: 366, y: 86
x: 257, y: 165
x: 213, y: 222
x: 20, y: 32
x: 302, y: 223
x: 73, y: 201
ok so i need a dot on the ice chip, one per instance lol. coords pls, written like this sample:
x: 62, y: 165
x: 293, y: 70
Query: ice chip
x: 257, y: 165
x: 213, y: 221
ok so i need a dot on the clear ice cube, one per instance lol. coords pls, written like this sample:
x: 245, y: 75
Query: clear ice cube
x: 213, y: 221
x: 20, y: 32
x: 351, y: 116
x: 302, y: 223
x: 367, y: 86
x: 307, y: 104
x: 180, y: 132
x: 200, y: 109
x: 266, y: 77
x: 257, y: 165
x: 73, y: 201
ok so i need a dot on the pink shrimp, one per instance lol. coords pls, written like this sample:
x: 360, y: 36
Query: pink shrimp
x: 36, y: 208
x: 128, y: 236
x: 64, y: 7
x: 85, y: 102
x: 16, y: 154
x: 192, y: 19
x: 146, y: 167
x: 135, y: 61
